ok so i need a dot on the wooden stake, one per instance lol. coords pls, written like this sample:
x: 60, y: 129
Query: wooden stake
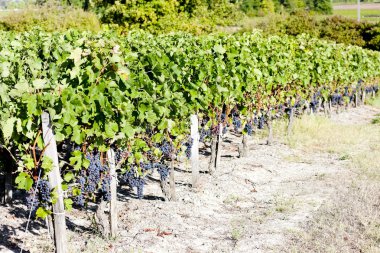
x: 102, y: 220
x: 270, y: 135
x: 211, y: 164
x: 194, y: 150
x: 219, y: 146
x: 113, y: 190
x: 55, y: 183
x: 173, y: 196
x: 363, y: 97
x: 243, y: 148
x: 8, y: 187
x: 356, y: 98
x: 291, y: 119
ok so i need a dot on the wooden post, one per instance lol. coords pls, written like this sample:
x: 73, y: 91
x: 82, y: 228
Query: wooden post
x: 8, y: 189
x: 113, y: 190
x: 319, y: 105
x: 55, y: 183
x: 194, y: 150
x: 173, y: 196
x: 211, y: 164
x: 219, y: 146
x: 243, y: 148
x: 326, y: 108
x: 363, y: 97
x: 356, y: 98
x: 270, y: 134
x: 290, y: 124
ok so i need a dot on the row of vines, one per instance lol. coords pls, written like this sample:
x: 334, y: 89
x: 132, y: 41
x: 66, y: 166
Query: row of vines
x: 135, y: 94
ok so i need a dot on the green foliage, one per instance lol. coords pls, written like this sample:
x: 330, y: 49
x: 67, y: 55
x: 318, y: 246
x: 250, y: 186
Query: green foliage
x: 102, y: 89
x: 49, y: 18
x: 264, y: 7
x: 251, y: 7
x: 161, y: 16
x: 322, y: 6
x: 267, y: 7
x: 343, y: 30
x: 294, y: 5
x: 300, y: 22
x: 336, y: 28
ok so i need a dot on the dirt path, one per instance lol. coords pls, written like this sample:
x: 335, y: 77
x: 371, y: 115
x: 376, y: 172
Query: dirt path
x: 367, y: 6
x: 250, y: 205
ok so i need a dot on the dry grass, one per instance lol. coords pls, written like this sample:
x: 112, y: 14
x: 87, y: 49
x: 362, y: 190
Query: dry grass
x: 350, y: 221
x: 358, y: 143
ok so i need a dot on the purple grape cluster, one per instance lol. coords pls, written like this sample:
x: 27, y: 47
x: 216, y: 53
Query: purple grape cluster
x: 188, y: 146
x: 32, y: 200
x: 93, y: 180
x: 336, y: 98
x: 314, y: 101
x: 224, y: 130
x: 146, y: 166
x: 105, y: 190
x: 162, y: 169
x: 43, y: 191
x: 134, y: 181
x: 204, y: 134
x: 249, y: 128
x: 236, y: 121
x: 261, y: 122
x: 166, y: 149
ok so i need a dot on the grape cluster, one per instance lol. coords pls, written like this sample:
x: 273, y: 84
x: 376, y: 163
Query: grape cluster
x: 166, y: 149
x: 146, y: 166
x: 162, y: 169
x: 261, y: 122
x: 224, y: 130
x: 134, y: 181
x: 222, y: 118
x: 204, y: 134
x: 79, y: 200
x: 39, y: 197
x: 188, y: 146
x: 336, y: 98
x: 236, y: 121
x: 106, y: 191
x: 118, y: 155
x: 249, y: 128
x: 44, y: 191
x: 346, y: 94
x: 149, y: 131
x: 315, y: 101
x: 370, y: 89
x: 93, y: 180
x: 32, y: 200
x: 256, y: 121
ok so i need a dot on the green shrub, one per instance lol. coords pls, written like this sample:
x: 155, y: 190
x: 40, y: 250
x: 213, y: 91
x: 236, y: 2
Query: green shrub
x: 263, y: 7
x: 49, y: 18
x: 343, y: 30
x: 160, y: 16
x: 301, y: 22
x: 267, y: 7
x: 335, y: 28
x: 323, y: 6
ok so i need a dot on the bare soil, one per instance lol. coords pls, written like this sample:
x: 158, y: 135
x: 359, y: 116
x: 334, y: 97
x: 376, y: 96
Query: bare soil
x: 252, y: 204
